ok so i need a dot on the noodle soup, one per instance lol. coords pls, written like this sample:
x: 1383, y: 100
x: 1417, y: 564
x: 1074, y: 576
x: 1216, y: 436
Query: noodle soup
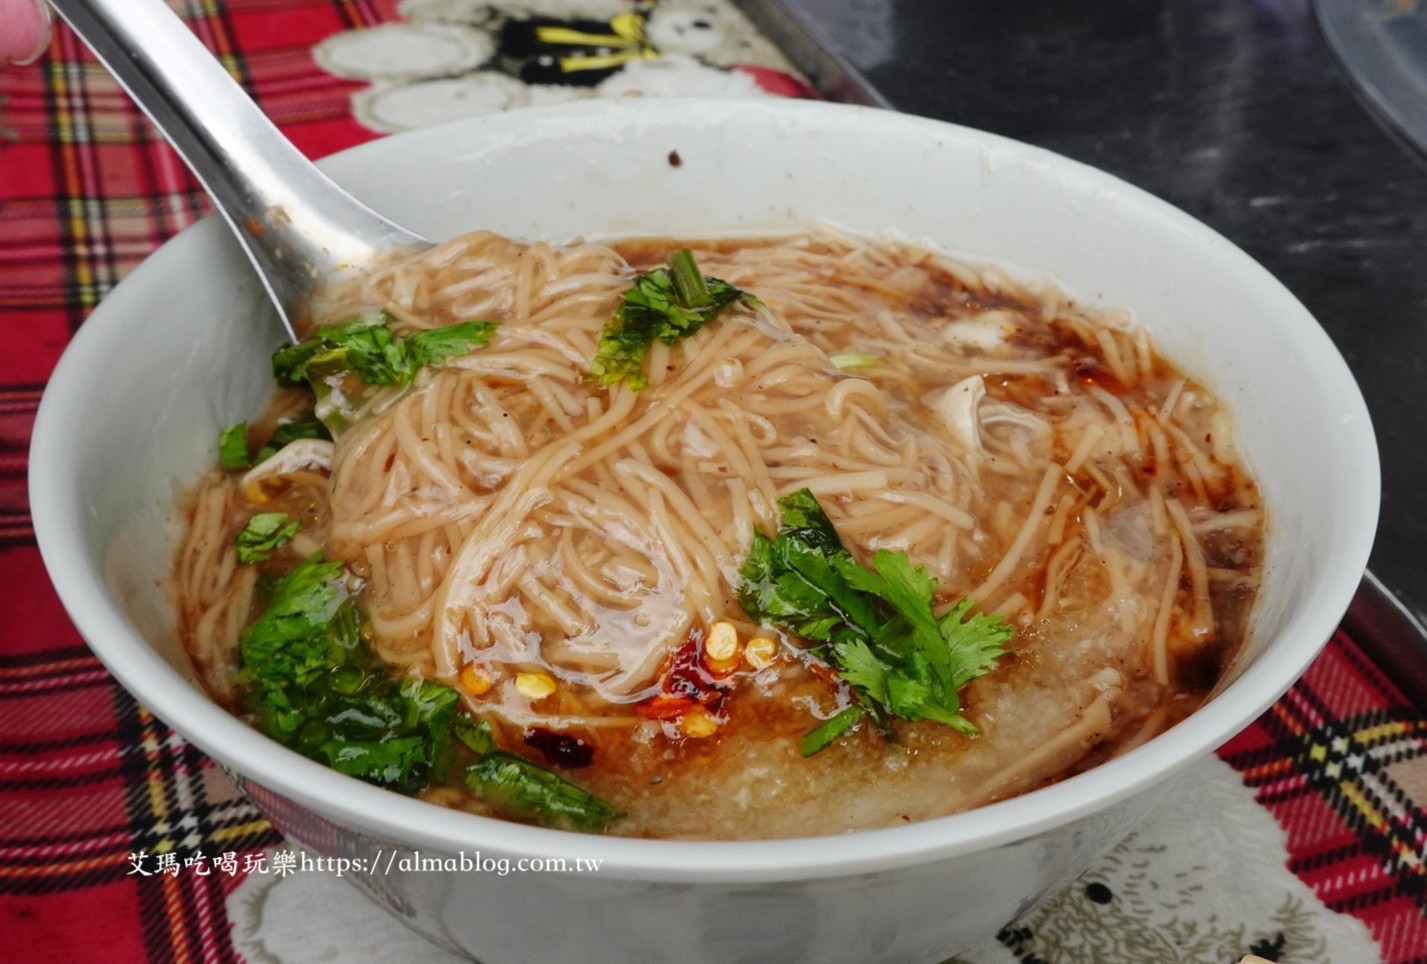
x: 555, y: 597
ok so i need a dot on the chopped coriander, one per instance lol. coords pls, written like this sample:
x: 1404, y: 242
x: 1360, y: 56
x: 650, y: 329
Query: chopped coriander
x: 233, y: 447
x: 823, y: 735
x: 875, y: 625
x: 308, y: 627
x: 343, y: 362
x: 262, y: 534
x: 668, y: 304
x: 233, y: 443
x: 366, y: 346
x: 475, y: 734
x: 432, y: 346
x: 311, y: 683
x: 690, y: 286
x: 523, y: 789
x: 290, y: 432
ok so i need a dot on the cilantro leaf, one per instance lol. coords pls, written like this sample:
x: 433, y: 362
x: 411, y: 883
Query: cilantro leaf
x: 290, y: 432
x: 386, y: 760
x: 862, y: 670
x: 475, y: 734
x: 310, y: 682
x: 298, y: 428
x: 791, y: 581
x: 523, y: 789
x: 308, y: 626
x: 233, y: 447
x: 875, y: 625
x: 907, y: 591
x: 668, y: 304
x: 292, y: 634
x: 973, y: 641
x: 432, y: 346
x: 313, y: 686
x: 262, y: 534
x: 343, y: 362
x: 367, y: 346
x: 835, y: 726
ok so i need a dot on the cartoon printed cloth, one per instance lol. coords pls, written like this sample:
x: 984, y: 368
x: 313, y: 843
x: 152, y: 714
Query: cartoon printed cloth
x: 454, y: 58
x: 1303, y: 840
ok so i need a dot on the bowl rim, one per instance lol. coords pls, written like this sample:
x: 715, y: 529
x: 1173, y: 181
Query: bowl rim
x: 60, y: 529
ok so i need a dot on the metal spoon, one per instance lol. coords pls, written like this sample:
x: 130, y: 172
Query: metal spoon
x: 298, y: 227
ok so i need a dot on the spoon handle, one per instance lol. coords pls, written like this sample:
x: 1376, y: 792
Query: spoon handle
x: 295, y: 223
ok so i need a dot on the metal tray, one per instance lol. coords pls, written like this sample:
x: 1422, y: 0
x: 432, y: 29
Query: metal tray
x: 1391, y: 636
x: 804, y: 46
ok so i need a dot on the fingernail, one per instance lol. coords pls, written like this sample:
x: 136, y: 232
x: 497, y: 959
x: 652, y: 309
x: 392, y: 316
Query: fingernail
x: 32, y: 47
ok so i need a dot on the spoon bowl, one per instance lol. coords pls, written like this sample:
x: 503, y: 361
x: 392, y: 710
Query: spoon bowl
x: 297, y: 226
x: 917, y: 892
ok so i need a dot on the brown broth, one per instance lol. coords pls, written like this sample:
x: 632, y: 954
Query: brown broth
x: 1083, y: 680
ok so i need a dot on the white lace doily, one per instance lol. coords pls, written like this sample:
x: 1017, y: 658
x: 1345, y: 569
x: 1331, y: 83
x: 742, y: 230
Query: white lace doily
x: 1202, y: 880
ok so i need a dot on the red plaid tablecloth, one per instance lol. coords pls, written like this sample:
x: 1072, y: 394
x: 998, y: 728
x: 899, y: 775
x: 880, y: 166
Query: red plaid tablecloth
x: 120, y: 842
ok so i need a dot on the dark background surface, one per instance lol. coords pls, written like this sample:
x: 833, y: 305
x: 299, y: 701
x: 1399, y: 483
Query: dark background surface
x: 1235, y: 111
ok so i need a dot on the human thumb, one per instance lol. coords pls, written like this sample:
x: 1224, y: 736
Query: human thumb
x: 24, y: 31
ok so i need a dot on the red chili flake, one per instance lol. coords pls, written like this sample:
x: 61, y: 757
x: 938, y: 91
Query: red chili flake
x: 560, y: 749
x: 687, y: 682
x: 664, y: 707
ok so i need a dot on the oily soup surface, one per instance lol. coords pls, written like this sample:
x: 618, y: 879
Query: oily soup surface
x: 567, y: 555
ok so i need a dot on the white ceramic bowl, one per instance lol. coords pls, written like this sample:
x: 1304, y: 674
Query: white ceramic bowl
x: 180, y: 349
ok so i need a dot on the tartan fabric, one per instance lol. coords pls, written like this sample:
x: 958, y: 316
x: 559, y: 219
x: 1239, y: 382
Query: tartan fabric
x: 118, y: 840
x: 1341, y: 762
x: 108, y: 820
x: 88, y: 781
